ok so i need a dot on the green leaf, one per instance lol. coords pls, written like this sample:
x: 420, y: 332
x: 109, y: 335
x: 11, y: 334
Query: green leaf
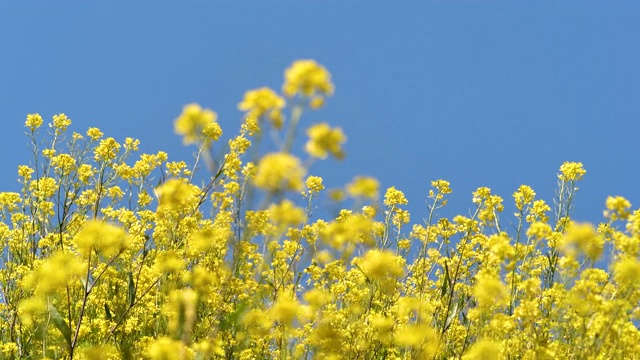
x: 60, y: 324
x: 445, y: 281
x: 108, y: 312
x: 452, y: 315
x: 131, y: 294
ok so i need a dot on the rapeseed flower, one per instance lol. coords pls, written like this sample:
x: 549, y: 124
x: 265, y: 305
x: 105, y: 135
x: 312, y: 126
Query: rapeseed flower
x: 107, y: 150
x: 58, y: 271
x: 94, y: 133
x: 211, y: 272
x: 307, y: 78
x: 33, y: 122
x: 61, y: 122
x: 585, y: 237
x: 394, y: 197
x: 523, y: 196
x: 314, y: 184
x: 285, y: 310
x: 286, y: 214
x: 484, y: 349
x: 196, y: 124
x: 489, y: 290
x: 363, y: 186
x: 618, y: 208
x: 571, y: 171
x: 279, y: 172
x: 175, y: 193
x: 380, y: 265
x: 263, y: 102
x: 627, y: 271
x: 64, y: 164
x: 323, y: 140
x: 106, y: 239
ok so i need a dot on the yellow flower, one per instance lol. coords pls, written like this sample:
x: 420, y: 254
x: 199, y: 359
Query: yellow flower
x: 208, y: 238
x: 182, y: 306
x: 107, y: 239
x: 585, y: 237
x: 314, y: 184
x: 61, y: 122
x: 99, y: 352
x: 324, y: 140
x: 401, y: 217
x: 10, y: 200
x: 307, y: 78
x: 286, y: 214
x: 538, y: 212
x: 131, y: 144
x: 64, y: 164
x: 85, y: 171
x: 94, y: 133
x: 33, y: 122
x: 316, y: 102
x: 30, y: 307
x: 489, y: 290
x: 317, y: 298
x: 285, y: 309
x: 54, y: 273
x: 404, y: 244
x: 197, y: 124
x: 618, y: 208
x: 279, y: 171
x: 571, y: 171
x: 25, y: 172
x: 257, y: 322
x: 627, y: 271
x: 381, y: 264
x: 168, y: 262
x: 382, y: 325
x: 212, y: 131
x: 364, y: 186
x: 107, y: 150
x: 349, y: 229
x: 43, y: 188
x: 443, y: 188
x: 174, y: 193
x: 49, y: 153
x: 115, y: 192
x: 394, y: 197
x: 484, y: 349
x: 261, y: 102
x: 539, y: 230
x: 523, y: 196
x: 168, y: 349
x: 420, y: 337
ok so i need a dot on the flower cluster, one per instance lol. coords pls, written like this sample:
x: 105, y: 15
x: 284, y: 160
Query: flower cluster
x: 109, y: 253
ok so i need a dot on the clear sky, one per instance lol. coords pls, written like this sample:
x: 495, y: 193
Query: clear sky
x: 480, y: 93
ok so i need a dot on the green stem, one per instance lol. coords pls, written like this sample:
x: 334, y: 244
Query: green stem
x: 296, y: 114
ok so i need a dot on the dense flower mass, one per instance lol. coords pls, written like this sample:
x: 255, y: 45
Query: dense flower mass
x: 108, y: 253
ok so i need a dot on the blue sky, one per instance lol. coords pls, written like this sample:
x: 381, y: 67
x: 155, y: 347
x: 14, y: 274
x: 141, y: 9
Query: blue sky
x: 493, y: 94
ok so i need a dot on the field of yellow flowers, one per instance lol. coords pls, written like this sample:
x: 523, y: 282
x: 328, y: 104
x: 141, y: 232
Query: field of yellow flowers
x: 112, y: 254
